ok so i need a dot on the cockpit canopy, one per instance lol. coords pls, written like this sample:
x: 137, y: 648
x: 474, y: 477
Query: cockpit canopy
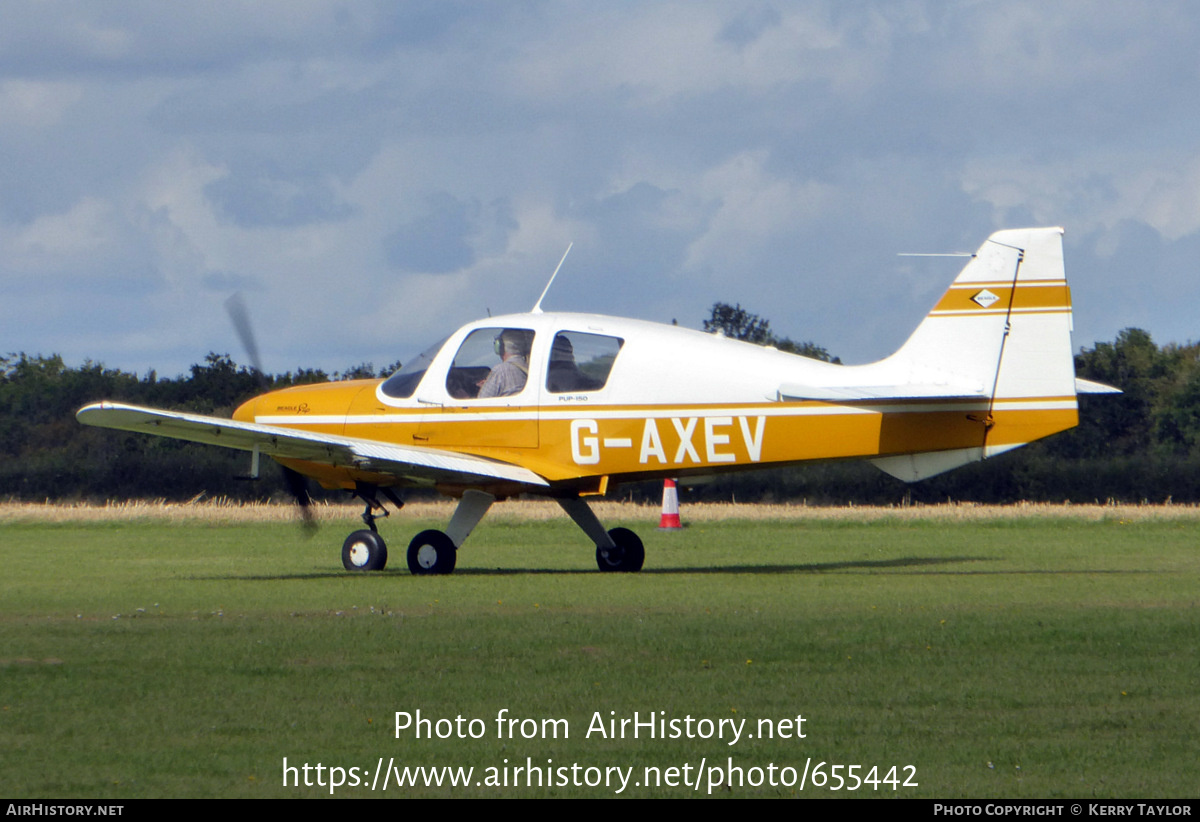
x: 498, y: 361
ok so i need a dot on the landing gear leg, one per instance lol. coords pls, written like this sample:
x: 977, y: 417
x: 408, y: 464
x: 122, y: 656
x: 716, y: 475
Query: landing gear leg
x: 365, y: 550
x: 436, y: 552
x: 616, y: 550
x: 368, y: 494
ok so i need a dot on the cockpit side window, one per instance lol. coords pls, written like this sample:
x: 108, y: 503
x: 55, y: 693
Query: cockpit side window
x: 403, y: 383
x: 581, y: 362
x: 491, y: 362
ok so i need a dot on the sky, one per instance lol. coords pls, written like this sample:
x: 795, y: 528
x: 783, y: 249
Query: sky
x: 371, y: 175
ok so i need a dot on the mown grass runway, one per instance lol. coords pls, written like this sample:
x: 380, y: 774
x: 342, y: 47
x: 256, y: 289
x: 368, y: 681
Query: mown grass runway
x: 1035, y: 656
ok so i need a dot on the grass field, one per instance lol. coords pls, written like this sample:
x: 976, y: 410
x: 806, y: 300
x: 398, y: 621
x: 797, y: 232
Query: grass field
x: 155, y: 651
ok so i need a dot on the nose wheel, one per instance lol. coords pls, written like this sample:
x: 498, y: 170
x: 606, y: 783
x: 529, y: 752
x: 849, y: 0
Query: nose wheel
x: 364, y: 551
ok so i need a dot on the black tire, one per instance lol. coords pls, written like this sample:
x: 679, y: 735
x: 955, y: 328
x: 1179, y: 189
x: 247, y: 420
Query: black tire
x: 432, y: 552
x: 628, y: 555
x: 364, y: 551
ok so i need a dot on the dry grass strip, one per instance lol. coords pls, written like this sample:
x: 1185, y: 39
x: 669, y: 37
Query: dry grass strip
x: 224, y: 510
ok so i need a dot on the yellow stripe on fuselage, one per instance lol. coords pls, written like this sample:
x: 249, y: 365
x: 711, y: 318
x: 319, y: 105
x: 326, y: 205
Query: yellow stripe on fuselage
x: 565, y: 443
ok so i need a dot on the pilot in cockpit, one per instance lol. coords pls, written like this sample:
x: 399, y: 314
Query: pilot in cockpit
x: 509, y: 377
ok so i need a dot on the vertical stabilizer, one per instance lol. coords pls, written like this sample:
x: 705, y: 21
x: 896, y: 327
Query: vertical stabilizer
x: 1002, y: 330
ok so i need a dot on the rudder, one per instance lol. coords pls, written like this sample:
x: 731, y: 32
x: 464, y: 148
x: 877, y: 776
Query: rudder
x: 1034, y: 392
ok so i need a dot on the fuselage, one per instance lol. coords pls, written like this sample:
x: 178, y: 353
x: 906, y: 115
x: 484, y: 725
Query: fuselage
x: 610, y: 400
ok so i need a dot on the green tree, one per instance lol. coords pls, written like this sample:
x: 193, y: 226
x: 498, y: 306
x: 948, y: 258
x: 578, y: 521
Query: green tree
x: 219, y: 385
x: 737, y: 323
x: 1150, y: 415
x: 807, y: 349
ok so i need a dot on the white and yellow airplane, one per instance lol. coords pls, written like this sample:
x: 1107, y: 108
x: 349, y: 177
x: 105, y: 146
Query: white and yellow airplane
x: 570, y: 405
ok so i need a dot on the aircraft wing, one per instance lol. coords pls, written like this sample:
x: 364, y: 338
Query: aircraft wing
x: 423, y: 464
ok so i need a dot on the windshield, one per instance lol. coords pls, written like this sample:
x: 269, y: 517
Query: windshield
x: 403, y: 383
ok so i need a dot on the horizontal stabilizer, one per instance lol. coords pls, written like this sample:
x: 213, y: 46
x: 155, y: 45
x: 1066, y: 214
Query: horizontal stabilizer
x: 796, y: 393
x: 1083, y: 386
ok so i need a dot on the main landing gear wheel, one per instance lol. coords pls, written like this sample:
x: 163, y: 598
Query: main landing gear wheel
x: 431, y: 552
x: 628, y: 554
x: 364, y: 551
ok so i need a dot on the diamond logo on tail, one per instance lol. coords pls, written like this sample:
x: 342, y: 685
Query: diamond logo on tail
x: 984, y: 299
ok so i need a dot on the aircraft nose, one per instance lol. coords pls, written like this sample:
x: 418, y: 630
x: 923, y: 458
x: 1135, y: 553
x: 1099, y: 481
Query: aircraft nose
x: 247, y: 411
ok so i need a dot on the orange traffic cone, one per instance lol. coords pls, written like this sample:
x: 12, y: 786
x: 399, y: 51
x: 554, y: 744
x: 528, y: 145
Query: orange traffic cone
x: 670, y: 508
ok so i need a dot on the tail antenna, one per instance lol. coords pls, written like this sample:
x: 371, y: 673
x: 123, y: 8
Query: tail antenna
x: 537, y: 308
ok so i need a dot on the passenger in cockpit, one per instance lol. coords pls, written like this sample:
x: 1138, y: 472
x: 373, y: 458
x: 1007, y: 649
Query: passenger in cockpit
x: 564, y: 374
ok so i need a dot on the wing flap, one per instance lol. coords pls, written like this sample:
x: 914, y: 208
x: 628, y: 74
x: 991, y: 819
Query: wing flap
x: 288, y: 443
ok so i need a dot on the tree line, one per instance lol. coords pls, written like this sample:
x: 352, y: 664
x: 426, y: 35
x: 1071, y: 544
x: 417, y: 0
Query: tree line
x: 1143, y: 444
x: 738, y: 323
x: 46, y: 454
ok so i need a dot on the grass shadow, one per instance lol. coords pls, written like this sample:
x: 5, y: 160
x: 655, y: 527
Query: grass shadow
x: 799, y: 568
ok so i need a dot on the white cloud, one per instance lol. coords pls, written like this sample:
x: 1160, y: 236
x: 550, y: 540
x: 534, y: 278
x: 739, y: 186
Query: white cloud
x: 36, y: 104
x: 655, y: 54
x: 56, y: 240
x: 179, y: 150
x: 1167, y: 198
x: 753, y: 207
x: 1094, y: 191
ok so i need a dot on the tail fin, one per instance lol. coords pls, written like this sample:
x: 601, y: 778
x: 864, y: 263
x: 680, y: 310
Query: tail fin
x: 1001, y: 332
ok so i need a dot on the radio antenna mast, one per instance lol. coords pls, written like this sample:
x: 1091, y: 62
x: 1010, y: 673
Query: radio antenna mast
x: 537, y: 308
